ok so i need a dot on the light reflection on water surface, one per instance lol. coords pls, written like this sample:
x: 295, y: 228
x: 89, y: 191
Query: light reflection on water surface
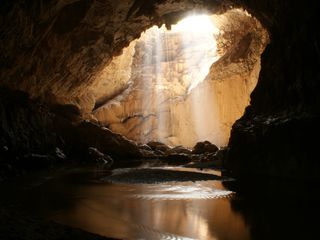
x: 176, y: 210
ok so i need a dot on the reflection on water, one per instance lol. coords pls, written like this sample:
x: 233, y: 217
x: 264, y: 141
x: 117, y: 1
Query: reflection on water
x: 189, y: 210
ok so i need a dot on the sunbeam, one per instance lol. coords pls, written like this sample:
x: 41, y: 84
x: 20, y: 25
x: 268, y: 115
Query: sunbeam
x: 197, y: 35
x: 183, y: 85
x: 189, y: 48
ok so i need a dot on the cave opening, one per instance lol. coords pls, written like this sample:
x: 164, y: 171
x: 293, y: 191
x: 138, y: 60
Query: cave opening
x: 183, y: 85
x: 80, y: 79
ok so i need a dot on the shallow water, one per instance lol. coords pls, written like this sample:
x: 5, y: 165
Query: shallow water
x: 172, y: 210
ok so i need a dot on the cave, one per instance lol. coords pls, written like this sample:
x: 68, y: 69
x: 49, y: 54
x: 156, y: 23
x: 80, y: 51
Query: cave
x: 181, y: 86
x: 135, y: 119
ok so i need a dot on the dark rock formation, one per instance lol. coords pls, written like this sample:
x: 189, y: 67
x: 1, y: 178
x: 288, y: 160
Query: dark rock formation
x: 277, y: 209
x: 283, y: 147
x: 159, y: 147
x: 87, y: 134
x: 100, y: 158
x: 21, y: 119
x: 178, y: 149
x: 204, y: 147
x: 220, y: 157
x: 33, y: 137
x: 277, y: 134
x: 58, y: 47
x: 28, y: 136
x: 14, y: 225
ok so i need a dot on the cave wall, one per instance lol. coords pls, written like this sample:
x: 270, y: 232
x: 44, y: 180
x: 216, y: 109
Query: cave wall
x: 21, y: 119
x: 276, y: 136
x: 114, y: 78
x: 55, y: 49
x: 178, y: 94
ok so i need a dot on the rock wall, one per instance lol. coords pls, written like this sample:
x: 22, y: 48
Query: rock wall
x: 60, y: 47
x: 174, y: 96
x: 34, y: 136
x: 55, y: 50
x: 114, y: 78
x: 276, y: 136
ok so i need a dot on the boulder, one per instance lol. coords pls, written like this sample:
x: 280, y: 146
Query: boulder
x: 59, y: 154
x: 158, y: 146
x: 108, y: 142
x: 220, y: 156
x: 145, y: 147
x: 178, y: 149
x: 99, y: 157
x: 95, y: 154
x: 204, y: 147
x: 148, y: 153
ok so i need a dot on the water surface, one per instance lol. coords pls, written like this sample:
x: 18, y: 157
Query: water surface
x: 172, y: 210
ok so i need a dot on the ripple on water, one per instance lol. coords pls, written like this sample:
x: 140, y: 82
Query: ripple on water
x: 158, y: 175
x: 188, y: 190
x: 165, y: 210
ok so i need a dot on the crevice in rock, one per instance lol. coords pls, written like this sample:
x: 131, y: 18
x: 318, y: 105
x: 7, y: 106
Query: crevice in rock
x: 106, y: 99
x: 141, y: 116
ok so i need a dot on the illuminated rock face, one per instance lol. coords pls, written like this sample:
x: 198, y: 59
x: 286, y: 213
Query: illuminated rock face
x: 79, y: 62
x: 57, y: 50
x: 173, y: 96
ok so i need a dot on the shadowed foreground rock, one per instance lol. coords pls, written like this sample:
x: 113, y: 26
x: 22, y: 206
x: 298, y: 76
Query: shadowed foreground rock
x: 33, y: 137
x: 14, y: 226
x: 204, y: 147
x: 279, y: 147
x: 89, y: 134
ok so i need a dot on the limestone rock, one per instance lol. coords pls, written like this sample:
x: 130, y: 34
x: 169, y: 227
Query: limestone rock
x: 158, y: 146
x: 204, y: 147
x: 220, y: 157
x: 27, y: 127
x: 86, y: 62
x: 145, y: 147
x: 105, y: 140
x: 68, y: 111
x: 260, y: 147
x: 59, y: 154
x: 168, y: 97
x: 150, y: 153
x: 61, y: 48
x: 178, y: 149
x: 98, y: 157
